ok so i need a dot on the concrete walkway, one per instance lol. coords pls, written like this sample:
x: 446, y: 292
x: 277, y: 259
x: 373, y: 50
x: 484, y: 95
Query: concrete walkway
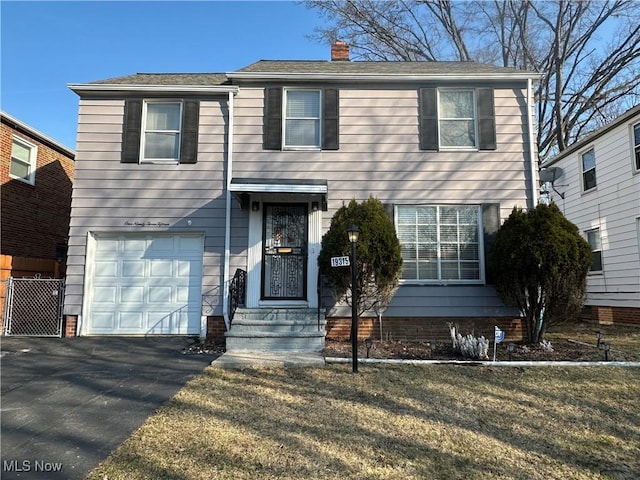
x: 68, y: 402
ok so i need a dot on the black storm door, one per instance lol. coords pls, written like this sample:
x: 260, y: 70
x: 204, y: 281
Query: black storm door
x: 284, y: 257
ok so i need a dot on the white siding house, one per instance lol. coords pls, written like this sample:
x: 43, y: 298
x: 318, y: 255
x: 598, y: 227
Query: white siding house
x: 597, y: 186
x: 185, y: 180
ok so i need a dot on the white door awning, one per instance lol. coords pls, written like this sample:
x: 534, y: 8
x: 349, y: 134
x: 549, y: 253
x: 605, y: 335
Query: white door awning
x: 241, y: 188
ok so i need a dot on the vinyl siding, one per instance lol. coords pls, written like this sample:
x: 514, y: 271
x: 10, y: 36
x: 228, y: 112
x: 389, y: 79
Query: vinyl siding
x: 108, y: 194
x: 614, y: 207
x: 379, y: 155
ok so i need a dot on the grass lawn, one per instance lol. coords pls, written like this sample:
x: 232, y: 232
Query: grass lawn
x: 392, y: 422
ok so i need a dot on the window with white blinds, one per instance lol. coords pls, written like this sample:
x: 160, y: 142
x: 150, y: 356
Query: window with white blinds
x: 302, y: 118
x: 440, y: 242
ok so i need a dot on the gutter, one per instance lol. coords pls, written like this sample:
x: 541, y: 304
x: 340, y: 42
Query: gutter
x: 369, y: 77
x: 174, y: 89
x: 532, y: 156
x: 227, y: 222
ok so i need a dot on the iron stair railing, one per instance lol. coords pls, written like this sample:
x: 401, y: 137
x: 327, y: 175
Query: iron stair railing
x: 237, y: 292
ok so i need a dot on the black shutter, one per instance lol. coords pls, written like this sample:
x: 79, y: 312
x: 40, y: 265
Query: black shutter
x: 131, y: 127
x: 490, y: 226
x: 273, y: 118
x: 331, y: 119
x: 486, y: 119
x: 189, y: 134
x: 428, y: 112
x: 389, y: 208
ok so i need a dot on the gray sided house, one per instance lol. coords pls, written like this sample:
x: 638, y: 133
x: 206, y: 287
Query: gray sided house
x: 193, y: 187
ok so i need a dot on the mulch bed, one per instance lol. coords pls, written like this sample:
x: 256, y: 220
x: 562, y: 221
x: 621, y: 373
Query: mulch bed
x: 562, y: 351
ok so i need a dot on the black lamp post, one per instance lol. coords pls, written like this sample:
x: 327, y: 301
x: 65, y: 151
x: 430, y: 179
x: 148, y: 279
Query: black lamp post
x: 353, y: 232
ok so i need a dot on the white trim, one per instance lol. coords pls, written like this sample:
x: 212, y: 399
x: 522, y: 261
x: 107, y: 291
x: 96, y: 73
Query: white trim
x: 371, y: 77
x: 143, y: 131
x: 174, y: 89
x: 227, y: 222
x: 533, y: 163
x: 87, y: 297
x: 254, y: 256
x: 278, y: 188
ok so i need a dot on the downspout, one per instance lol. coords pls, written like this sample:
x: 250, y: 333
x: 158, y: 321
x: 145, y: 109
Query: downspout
x: 227, y: 222
x: 532, y: 149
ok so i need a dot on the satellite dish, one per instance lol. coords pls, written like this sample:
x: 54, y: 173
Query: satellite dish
x: 550, y: 174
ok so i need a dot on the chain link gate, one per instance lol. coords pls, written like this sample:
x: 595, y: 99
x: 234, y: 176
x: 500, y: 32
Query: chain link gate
x: 34, y: 307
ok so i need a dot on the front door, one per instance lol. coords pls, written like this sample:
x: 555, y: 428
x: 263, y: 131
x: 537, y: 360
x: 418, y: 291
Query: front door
x: 284, y: 257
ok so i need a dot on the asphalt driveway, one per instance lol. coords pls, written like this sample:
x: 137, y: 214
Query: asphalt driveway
x: 66, y: 403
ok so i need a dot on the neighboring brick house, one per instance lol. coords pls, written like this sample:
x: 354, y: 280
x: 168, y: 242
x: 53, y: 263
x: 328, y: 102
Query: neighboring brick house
x: 596, y: 183
x: 36, y: 173
x: 37, y: 178
x: 185, y: 179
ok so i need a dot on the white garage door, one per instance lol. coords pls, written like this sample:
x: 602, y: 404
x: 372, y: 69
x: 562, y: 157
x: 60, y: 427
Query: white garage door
x: 148, y: 284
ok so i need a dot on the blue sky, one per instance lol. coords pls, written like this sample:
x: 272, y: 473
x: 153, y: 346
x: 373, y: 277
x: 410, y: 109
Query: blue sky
x: 47, y: 45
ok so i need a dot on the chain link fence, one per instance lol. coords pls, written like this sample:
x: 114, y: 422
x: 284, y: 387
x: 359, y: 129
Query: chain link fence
x: 34, y: 307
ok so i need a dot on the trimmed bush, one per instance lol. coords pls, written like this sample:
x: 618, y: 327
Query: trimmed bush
x: 379, y: 257
x: 539, y: 263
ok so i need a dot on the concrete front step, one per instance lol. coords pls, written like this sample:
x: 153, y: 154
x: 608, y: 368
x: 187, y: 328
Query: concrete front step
x: 282, y: 326
x: 274, y: 342
x: 277, y: 314
x: 276, y: 330
x: 240, y: 360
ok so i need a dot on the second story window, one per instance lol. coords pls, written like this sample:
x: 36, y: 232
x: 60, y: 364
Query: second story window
x: 23, y: 161
x: 160, y: 131
x: 593, y: 237
x: 588, y: 159
x: 161, y: 139
x: 636, y: 146
x: 302, y: 118
x: 457, y: 118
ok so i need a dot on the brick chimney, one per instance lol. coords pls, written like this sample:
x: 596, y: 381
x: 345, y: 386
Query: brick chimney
x: 339, y: 51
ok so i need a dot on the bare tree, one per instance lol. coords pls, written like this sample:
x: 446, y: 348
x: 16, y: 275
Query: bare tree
x: 587, y: 51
